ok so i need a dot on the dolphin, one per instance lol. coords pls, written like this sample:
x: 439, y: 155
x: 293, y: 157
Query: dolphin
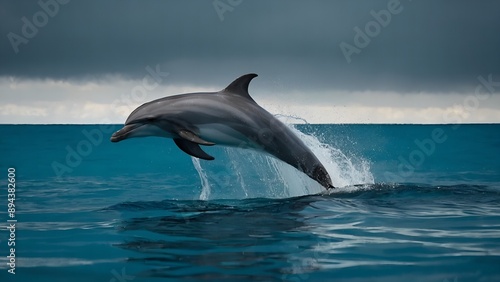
x: 229, y: 117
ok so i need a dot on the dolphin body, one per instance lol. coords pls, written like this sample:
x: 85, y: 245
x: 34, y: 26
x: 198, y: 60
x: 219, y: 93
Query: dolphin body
x: 229, y: 117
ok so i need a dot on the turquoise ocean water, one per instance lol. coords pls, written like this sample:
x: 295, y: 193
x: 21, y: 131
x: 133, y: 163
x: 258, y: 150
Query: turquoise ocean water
x: 414, y: 203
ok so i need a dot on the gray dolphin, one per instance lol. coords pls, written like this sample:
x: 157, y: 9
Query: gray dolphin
x: 229, y: 117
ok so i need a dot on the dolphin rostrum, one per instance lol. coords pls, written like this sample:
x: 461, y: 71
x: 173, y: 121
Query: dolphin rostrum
x: 229, y: 117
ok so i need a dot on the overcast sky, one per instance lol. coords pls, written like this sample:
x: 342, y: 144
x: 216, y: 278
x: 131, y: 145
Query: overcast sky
x: 346, y: 61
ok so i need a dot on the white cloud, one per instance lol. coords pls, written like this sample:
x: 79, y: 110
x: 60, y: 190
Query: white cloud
x: 366, y: 114
x: 110, y: 101
x: 106, y: 101
x: 389, y: 107
x: 13, y: 110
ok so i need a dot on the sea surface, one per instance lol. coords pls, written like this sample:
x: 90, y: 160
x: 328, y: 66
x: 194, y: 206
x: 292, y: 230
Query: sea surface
x: 413, y: 203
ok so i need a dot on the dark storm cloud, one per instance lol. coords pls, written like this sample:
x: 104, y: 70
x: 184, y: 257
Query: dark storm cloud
x: 427, y: 46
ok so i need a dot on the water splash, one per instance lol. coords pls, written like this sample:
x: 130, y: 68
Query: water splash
x: 344, y: 170
x: 242, y: 173
x: 205, y: 186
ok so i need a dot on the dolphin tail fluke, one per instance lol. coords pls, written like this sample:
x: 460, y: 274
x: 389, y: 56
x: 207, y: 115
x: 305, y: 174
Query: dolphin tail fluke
x: 192, y: 149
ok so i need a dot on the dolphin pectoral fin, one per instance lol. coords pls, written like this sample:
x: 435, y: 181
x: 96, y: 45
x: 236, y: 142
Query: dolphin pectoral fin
x: 192, y: 149
x: 190, y: 136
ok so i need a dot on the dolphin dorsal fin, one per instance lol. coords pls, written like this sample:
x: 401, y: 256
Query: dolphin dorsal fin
x: 240, y: 86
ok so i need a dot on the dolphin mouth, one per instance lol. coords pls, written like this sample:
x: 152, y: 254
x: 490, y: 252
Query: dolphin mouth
x: 123, y: 133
